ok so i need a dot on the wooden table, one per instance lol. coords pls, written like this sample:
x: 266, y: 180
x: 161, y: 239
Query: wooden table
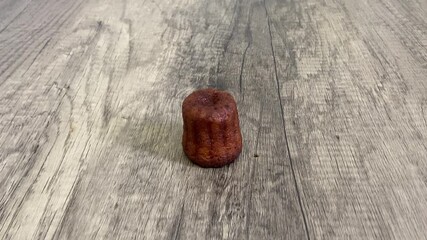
x: 332, y: 97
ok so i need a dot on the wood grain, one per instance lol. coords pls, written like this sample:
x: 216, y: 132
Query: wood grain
x: 332, y: 102
x: 352, y: 77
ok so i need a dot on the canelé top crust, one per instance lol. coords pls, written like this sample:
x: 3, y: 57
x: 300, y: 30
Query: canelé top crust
x: 209, y: 104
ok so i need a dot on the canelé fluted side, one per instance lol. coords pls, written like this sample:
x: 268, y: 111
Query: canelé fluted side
x: 211, y: 136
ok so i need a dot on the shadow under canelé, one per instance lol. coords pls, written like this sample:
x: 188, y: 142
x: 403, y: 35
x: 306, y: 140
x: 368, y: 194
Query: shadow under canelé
x: 157, y: 138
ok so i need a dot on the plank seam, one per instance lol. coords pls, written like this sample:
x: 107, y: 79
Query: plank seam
x: 284, y: 126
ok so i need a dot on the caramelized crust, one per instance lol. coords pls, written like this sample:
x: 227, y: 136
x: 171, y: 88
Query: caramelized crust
x: 211, y: 135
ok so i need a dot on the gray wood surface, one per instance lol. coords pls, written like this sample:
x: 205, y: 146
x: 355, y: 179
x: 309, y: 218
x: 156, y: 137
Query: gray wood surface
x: 332, y: 97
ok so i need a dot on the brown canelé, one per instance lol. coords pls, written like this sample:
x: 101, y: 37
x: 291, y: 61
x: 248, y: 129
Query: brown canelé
x: 211, y: 135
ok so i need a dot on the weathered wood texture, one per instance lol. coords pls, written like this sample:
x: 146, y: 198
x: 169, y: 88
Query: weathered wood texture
x: 333, y: 108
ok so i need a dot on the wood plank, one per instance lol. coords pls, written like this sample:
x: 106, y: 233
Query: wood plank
x: 255, y: 198
x: 91, y: 123
x: 351, y: 79
x: 30, y: 96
